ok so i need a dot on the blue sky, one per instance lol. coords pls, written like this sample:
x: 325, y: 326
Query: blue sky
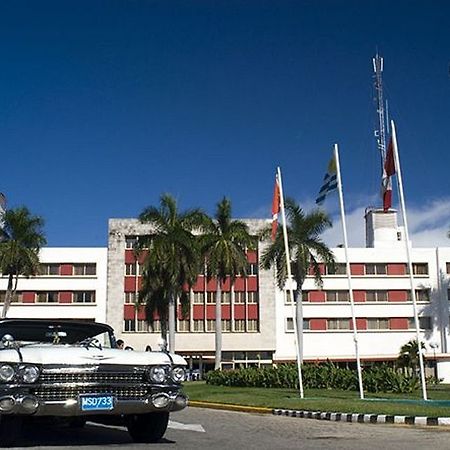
x: 104, y: 105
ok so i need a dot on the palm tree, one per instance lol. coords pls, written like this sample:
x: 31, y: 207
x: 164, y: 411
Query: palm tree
x: 223, y: 244
x: 171, y: 263
x: 409, y: 355
x: 306, y: 251
x: 21, y: 239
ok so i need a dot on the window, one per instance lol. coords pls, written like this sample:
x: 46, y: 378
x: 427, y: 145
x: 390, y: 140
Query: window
x: 376, y: 269
x: 210, y: 297
x: 198, y: 298
x: 239, y: 325
x: 210, y: 325
x: 420, y: 268
x: 338, y: 269
x: 252, y: 269
x: 129, y: 325
x: 226, y: 297
x: 183, y: 326
x: 49, y: 269
x: 226, y: 325
x: 239, y: 297
x: 337, y: 296
x: 142, y: 326
x: 84, y: 297
x: 378, y: 324
x: 448, y: 294
x: 130, y: 269
x: 48, y: 297
x: 338, y: 324
x: 155, y: 326
x: 85, y: 269
x: 448, y: 267
x: 131, y: 297
x: 16, y: 298
x: 198, y: 325
x: 424, y: 323
x: 252, y: 297
x: 130, y: 241
x: 422, y: 295
x: 376, y: 296
x: 252, y: 325
x: 290, y: 324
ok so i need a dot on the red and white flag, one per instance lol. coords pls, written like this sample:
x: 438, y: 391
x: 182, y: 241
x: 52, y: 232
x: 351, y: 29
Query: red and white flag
x: 275, y: 208
x: 388, y: 171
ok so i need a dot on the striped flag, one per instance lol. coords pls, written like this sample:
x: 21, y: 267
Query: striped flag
x: 329, y: 182
x: 275, y: 207
x: 386, y: 183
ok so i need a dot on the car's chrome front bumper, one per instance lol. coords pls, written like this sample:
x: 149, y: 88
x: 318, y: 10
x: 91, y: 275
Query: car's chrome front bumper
x: 28, y: 404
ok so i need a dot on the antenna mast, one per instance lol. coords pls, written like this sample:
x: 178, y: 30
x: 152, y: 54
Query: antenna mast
x: 380, y: 133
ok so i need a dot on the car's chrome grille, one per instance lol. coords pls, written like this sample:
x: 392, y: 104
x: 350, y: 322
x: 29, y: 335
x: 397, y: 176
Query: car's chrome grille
x: 59, y: 383
x: 72, y: 392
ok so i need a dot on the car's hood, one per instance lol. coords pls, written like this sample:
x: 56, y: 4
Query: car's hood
x: 65, y: 354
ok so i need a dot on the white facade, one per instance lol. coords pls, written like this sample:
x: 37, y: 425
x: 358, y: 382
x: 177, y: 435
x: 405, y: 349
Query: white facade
x: 68, y: 292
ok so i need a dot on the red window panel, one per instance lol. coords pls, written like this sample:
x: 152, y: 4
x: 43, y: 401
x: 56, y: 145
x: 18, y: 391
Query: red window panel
x: 359, y: 296
x: 28, y: 297
x: 357, y: 269
x: 252, y: 256
x: 226, y: 285
x: 198, y: 312
x: 253, y: 312
x: 239, y: 284
x: 210, y: 312
x: 66, y: 269
x: 141, y: 256
x: 141, y: 312
x: 180, y: 314
x: 239, y: 312
x: 199, y: 285
x: 361, y: 324
x: 211, y: 285
x: 226, y: 312
x: 128, y: 312
x: 130, y: 257
x: 252, y: 284
x: 65, y: 297
x: 397, y: 296
x: 129, y: 284
x: 316, y: 296
x: 318, y: 324
x: 398, y: 323
x: 396, y: 269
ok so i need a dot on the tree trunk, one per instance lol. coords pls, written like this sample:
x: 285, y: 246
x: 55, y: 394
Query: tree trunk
x: 172, y: 323
x: 218, y: 333
x: 8, y: 296
x: 299, y: 319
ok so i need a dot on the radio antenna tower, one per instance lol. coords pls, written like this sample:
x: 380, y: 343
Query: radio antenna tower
x: 380, y: 133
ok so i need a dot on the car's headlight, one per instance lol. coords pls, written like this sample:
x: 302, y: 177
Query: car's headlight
x: 29, y: 374
x: 157, y: 374
x: 7, y: 372
x: 178, y: 374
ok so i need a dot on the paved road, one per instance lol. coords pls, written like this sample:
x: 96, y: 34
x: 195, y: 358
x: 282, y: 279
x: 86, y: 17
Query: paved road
x: 197, y: 428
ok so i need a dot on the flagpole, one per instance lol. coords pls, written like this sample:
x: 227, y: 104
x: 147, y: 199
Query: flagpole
x: 408, y: 254
x: 289, y: 277
x: 348, y: 270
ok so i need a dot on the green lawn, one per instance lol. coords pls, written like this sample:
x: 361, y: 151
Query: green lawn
x: 327, y: 400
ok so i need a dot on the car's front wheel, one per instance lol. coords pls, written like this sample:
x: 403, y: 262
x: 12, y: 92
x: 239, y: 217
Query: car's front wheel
x: 9, y: 429
x: 148, y: 427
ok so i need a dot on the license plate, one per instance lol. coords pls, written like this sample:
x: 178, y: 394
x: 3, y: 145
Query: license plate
x: 96, y: 402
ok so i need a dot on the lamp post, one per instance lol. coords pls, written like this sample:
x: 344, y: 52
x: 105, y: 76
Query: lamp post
x: 434, y: 346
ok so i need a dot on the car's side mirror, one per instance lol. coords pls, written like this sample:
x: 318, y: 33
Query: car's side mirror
x: 7, y: 341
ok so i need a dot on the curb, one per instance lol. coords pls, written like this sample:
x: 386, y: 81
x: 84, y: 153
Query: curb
x: 363, y: 418
x: 335, y: 417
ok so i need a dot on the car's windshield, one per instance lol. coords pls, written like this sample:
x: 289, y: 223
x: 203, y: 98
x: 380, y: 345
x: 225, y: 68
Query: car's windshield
x: 57, y: 332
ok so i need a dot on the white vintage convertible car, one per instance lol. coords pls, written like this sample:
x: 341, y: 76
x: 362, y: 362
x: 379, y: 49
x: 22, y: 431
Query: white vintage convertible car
x: 73, y: 370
